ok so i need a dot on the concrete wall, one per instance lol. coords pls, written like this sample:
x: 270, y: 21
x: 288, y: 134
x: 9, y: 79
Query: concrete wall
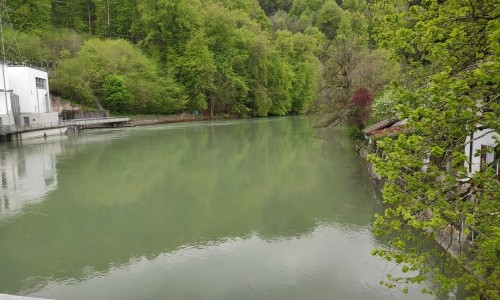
x: 487, y: 140
x: 58, y: 105
x: 43, y: 133
x: 81, y: 114
x: 40, y: 120
x: 23, y: 81
x: 6, y: 119
x: 5, y: 105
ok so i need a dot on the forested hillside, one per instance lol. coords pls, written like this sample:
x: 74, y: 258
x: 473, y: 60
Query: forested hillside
x: 215, y: 56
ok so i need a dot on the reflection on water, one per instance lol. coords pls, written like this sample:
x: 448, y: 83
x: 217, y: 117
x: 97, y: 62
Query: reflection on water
x: 28, y: 174
x: 259, y: 209
x: 308, y: 267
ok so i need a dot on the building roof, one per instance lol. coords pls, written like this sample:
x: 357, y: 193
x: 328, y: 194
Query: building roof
x: 389, y: 131
x: 378, y: 126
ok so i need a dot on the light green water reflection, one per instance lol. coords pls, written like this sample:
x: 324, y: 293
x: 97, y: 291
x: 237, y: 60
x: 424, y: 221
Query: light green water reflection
x: 253, y: 209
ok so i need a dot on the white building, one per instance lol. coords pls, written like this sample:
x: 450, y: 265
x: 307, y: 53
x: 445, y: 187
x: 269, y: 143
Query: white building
x: 484, y: 143
x: 25, y: 100
x: 5, y: 102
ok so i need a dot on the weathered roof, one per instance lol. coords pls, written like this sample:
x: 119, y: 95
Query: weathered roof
x: 378, y: 126
x: 389, y: 131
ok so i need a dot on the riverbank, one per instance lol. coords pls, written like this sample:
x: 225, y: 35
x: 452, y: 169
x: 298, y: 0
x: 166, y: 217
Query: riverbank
x: 449, y: 238
x: 144, y: 120
x: 378, y: 180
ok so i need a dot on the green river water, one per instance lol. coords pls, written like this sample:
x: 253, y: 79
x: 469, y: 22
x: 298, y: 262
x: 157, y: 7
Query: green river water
x: 247, y: 209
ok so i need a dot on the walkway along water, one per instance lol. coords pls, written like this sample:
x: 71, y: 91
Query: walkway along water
x: 20, y: 132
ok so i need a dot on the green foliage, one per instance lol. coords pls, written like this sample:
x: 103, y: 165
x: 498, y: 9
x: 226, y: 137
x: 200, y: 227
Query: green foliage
x: 329, y: 19
x: 349, y: 65
x: 353, y: 133
x: 116, y: 98
x: 280, y: 86
x: 60, y: 43
x: 450, y: 52
x: 29, y: 15
x: 72, y: 14
x: 23, y: 46
x: 226, y: 55
x: 196, y: 70
x: 88, y: 77
x: 272, y: 6
x: 385, y: 105
x: 298, y: 51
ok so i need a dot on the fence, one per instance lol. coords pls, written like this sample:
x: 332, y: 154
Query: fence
x: 8, y: 129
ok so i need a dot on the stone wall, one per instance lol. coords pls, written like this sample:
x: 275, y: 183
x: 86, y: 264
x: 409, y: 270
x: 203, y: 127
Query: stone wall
x: 58, y: 105
x: 449, y: 238
x: 378, y: 180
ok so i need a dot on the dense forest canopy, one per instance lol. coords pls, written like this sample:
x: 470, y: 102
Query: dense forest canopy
x: 216, y: 56
x: 143, y: 57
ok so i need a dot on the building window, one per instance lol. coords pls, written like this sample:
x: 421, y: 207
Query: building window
x: 487, y: 156
x: 41, y: 83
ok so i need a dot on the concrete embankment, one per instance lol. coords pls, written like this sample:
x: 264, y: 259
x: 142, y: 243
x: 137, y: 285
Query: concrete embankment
x: 378, y: 180
x: 158, y: 119
x: 449, y: 238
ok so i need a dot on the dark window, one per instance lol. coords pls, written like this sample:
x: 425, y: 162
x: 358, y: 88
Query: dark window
x: 487, y: 156
x: 41, y: 83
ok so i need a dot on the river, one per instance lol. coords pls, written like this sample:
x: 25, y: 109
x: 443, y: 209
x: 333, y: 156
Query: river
x: 247, y: 209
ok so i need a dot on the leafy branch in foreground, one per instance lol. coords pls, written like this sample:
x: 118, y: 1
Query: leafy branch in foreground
x: 451, y: 51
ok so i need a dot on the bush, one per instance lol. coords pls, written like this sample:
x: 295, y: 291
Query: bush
x: 118, y: 76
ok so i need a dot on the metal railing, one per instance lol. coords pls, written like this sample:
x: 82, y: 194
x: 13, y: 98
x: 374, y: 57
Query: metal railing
x: 8, y: 129
x: 79, y: 122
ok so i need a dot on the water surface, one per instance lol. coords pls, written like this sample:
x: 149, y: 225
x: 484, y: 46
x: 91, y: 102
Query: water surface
x: 250, y: 209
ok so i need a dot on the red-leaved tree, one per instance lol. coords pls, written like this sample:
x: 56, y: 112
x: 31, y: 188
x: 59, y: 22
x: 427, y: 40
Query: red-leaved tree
x: 359, y: 106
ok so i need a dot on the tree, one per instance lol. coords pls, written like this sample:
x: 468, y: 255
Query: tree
x: 116, y: 98
x: 298, y: 52
x: 347, y: 66
x: 196, y: 70
x: 329, y: 18
x: 24, y: 47
x: 280, y: 86
x: 61, y: 43
x: 27, y: 15
x: 117, y: 76
x: 360, y: 103
x: 167, y: 27
x: 450, y: 50
x: 73, y: 14
x: 385, y: 105
x: 272, y: 6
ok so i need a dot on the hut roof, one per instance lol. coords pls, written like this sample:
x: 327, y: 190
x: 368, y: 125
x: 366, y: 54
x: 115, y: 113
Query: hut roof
x: 378, y: 126
x: 389, y: 131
